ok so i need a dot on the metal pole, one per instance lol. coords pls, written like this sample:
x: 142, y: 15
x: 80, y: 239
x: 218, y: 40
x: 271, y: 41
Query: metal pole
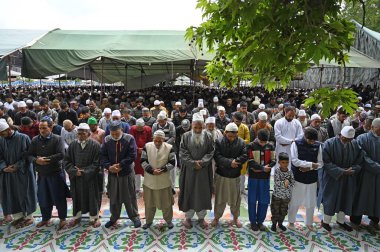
x: 92, y: 86
x: 10, y: 74
x: 101, y: 85
x: 126, y: 78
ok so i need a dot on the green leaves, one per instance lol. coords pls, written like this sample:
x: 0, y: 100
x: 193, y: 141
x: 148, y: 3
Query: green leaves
x: 270, y: 39
x: 332, y: 99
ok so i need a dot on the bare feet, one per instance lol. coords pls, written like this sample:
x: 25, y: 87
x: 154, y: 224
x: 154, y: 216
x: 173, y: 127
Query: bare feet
x: 25, y: 223
x: 42, y: 223
x: 62, y: 224
x: 291, y: 226
x: 237, y: 223
x: 187, y: 223
x: 215, y: 223
x: 311, y: 228
x: 95, y: 224
x: 76, y: 222
x: 202, y: 223
x: 17, y: 222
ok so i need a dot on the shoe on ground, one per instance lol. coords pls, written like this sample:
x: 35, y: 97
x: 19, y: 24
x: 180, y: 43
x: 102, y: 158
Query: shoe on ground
x: 262, y: 227
x: 170, y: 225
x: 187, y: 223
x: 282, y: 227
x: 326, y: 226
x: 273, y: 227
x: 345, y: 226
x: 146, y: 225
x: 137, y: 223
x: 254, y: 227
x: 375, y: 225
x: 109, y: 224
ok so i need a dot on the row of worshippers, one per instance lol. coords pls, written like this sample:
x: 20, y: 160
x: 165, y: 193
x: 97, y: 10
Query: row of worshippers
x: 118, y: 153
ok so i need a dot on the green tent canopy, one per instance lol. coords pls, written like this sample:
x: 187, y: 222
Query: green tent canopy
x: 113, y: 56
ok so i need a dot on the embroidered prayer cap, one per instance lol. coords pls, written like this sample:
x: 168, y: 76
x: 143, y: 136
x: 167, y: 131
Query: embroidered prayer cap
x: 348, y: 132
x: 83, y: 126
x: 116, y: 113
x: 3, y: 125
x: 263, y: 116
x: 159, y: 133
x: 232, y: 127
x: 210, y: 119
x: 115, y: 125
x: 140, y: 122
x: 315, y: 117
x: 197, y: 117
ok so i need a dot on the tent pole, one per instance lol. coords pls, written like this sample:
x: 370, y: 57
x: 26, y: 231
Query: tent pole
x: 192, y: 77
x: 59, y: 81
x: 92, y: 86
x: 101, y: 85
x: 126, y: 74
x: 9, y: 74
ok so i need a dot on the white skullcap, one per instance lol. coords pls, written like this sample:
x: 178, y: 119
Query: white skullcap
x: 107, y: 111
x: 116, y: 113
x: 161, y: 116
x: 301, y: 112
x: 36, y: 103
x: 1, y: 104
x: 197, y: 117
x: 29, y: 102
x: 360, y: 98
x: 3, y: 125
x: 3, y: 120
x: 232, y: 127
x: 140, y: 122
x: 159, y: 133
x: 256, y: 103
x: 359, y: 109
x: 215, y: 99
x: 315, y: 117
x: 238, y: 106
x: 83, y: 126
x: 263, y: 116
x: 203, y: 112
x: 261, y: 106
x: 200, y: 103
x: 348, y: 132
x: 221, y: 108
x: 281, y: 106
x: 178, y: 103
x: 156, y: 102
x: 210, y: 119
x: 87, y: 101
x: 162, y: 102
x: 21, y: 104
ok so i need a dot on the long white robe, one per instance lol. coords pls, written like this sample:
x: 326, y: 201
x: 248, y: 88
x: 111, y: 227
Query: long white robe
x: 285, y: 133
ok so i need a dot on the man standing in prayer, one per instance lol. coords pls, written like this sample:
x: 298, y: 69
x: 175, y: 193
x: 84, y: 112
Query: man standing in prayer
x: 339, y: 120
x: 158, y: 158
x: 306, y: 160
x: 82, y: 164
x: 342, y: 158
x: 221, y: 119
x: 17, y: 180
x: 367, y: 200
x: 286, y: 130
x: 142, y: 135
x: 230, y: 155
x: 97, y: 133
x: 47, y: 152
x: 196, y: 178
x: 315, y: 123
x: 118, y: 152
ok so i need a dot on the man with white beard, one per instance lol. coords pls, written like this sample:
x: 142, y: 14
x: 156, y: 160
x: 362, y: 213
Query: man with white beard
x: 196, y: 177
x: 210, y: 127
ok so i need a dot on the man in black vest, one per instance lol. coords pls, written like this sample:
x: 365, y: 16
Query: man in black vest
x: 306, y: 156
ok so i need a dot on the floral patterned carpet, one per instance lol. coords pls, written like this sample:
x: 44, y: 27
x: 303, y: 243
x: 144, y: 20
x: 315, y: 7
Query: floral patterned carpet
x: 124, y: 237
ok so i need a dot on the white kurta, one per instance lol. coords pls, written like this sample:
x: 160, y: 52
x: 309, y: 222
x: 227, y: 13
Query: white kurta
x: 304, y: 194
x: 285, y: 133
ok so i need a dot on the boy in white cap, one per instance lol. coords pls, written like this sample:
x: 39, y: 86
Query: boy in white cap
x: 22, y: 112
x: 156, y: 109
x: 116, y: 116
x: 342, y: 158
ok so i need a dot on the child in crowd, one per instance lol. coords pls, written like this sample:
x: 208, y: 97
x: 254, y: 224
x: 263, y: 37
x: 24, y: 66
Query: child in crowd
x: 283, y: 183
x: 261, y: 160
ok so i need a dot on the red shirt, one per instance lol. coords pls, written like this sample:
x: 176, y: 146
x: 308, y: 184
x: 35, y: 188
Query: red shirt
x: 30, y: 131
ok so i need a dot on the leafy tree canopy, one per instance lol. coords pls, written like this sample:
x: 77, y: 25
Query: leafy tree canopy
x: 270, y: 41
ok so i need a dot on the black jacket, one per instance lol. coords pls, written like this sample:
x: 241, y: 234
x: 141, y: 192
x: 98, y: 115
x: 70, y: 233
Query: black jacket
x: 226, y: 152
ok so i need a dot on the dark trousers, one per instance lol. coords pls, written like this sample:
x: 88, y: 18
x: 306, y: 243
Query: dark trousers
x: 358, y: 219
x: 258, y: 193
x: 279, y: 209
x: 52, y: 191
x: 131, y: 208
